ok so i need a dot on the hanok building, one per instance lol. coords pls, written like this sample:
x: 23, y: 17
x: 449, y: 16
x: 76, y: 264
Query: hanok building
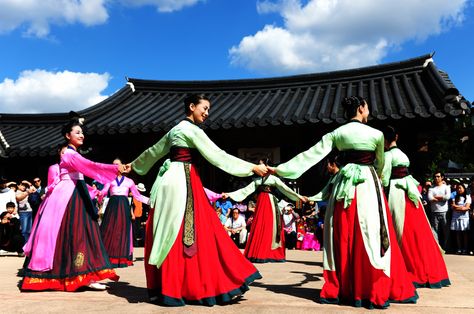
x: 251, y: 118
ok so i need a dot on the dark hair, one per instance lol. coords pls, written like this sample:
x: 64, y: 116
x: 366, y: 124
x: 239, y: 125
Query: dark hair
x: 458, y: 196
x: 60, y: 148
x: 333, y: 158
x: 26, y: 185
x: 266, y: 161
x: 440, y: 172
x: 390, y: 133
x: 10, y: 204
x: 2, y: 215
x: 351, y: 104
x: 67, y: 128
x: 193, y: 99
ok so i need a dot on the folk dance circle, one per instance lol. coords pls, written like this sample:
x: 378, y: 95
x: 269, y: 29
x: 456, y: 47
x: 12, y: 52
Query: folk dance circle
x: 377, y: 245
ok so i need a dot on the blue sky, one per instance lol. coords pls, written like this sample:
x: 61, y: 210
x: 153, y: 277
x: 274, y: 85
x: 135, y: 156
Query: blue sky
x: 58, y: 55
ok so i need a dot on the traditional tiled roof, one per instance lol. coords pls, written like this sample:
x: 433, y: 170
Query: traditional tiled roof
x: 409, y: 89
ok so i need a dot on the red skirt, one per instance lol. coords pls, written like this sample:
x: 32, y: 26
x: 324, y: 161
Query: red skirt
x: 116, y: 231
x: 356, y: 281
x: 259, y: 245
x: 216, y: 274
x: 79, y: 257
x: 420, y: 250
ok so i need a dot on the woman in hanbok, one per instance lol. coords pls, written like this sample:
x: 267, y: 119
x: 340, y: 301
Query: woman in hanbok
x: 310, y: 241
x: 65, y: 250
x: 362, y: 262
x: 266, y: 242
x: 191, y: 258
x: 116, y: 226
x: 420, y: 250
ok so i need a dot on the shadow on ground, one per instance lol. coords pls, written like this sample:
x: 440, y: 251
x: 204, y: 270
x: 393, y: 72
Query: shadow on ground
x: 131, y: 293
x: 309, y: 263
x: 296, y: 289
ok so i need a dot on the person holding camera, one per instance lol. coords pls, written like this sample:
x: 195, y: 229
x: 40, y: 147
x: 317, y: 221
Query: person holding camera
x: 290, y: 217
x: 25, y: 210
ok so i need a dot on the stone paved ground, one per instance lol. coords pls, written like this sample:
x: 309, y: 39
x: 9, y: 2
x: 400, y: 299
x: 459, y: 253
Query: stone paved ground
x: 292, y: 287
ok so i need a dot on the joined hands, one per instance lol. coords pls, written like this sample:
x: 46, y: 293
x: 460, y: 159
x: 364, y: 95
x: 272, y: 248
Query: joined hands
x: 125, y: 168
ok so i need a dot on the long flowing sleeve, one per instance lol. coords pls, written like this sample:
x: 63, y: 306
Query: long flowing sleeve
x: 211, y: 195
x: 53, y: 174
x: 321, y: 195
x: 53, y: 178
x: 242, y: 193
x: 143, y: 163
x: 299, y: 164
x: 387, y: 169
x: 379, y: 155
x: 136, y: 194
x: 101, y: 172
x: 93, y: 192
x: 218, y: 157
x: 283, y: 188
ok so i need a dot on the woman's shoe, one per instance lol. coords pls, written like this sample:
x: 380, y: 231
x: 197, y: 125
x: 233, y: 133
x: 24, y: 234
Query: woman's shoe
x: 97, y: 286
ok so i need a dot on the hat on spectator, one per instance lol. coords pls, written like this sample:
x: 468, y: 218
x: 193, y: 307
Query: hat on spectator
x: 141, y: 187
x: 284, y: 204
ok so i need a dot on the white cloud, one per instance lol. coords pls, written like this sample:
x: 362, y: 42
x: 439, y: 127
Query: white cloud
x: 162, y: 5
x: 321, y: 35
x: 42, y: 91
x: 38, y: 15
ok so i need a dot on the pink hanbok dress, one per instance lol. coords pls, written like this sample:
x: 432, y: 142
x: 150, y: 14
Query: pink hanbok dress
x: 65, y: 250
x: 116, y: 226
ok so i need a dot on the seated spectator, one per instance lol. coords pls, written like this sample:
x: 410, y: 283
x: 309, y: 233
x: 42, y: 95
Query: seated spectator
x: 11, y: 208
x: 225, y: 205
x: 11, y: 239
x: 235, y: 226
x: 221, y: 216
x: 300, y: 233
x: 6, y: 194
x: 289, y: 220
x: 310, y: 241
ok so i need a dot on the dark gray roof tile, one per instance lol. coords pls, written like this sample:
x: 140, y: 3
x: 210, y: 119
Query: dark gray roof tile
x: 413, y: 88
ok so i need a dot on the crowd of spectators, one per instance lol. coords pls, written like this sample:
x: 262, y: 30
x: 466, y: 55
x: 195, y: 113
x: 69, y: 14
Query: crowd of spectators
x: 302, y: 223
x: 447, y: 202
x: 449, y: 208
x: 19, y: 203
